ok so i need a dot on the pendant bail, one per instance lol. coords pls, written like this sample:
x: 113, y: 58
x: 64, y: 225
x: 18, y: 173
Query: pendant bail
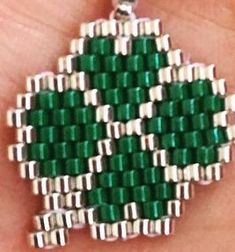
x: 123, y: 9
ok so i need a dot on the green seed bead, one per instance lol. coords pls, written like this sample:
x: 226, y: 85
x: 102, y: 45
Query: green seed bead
x: 146, y: 79
x: 103, y: 81
x: 131, y: 178
x: 201, y: 88
x: 72, y: 99
x: 101, y: 46
x: 38, y: 118
x: 153, y: 210
x: 124, y: 80
x: 61, y: 117
x: 120, y: 195
x: 207, y: 155
x: 48, y: 134
x: 163, y: 191
x: 95, y: 131
x: 179, y: 124
x: 136, y: 95
x: 113, y: 63
x: 62, y: 150
x: 72, y: 133
x: 76, y: 166
x: 201, y: 121
x: 84, y: 115
x: 143, y: 45
x: 113, y: 96
x: 141, y: 194
x: 156, y: 61
x: 89, y: 63
x: 181, y: 157
x: 109, y: 213
x: 213, y: 104
x: 128, y: 144
x: 178, y: 91
x: 47, y: 100
x: 135, y: 63
x: 118, y: 162
x: 97, y: 196
x: 52, y: 168
x: 216, y: 136
x: 191, y: 106
x: 170, y: 140
x: 169, y: 108
x: 141, y: 160
x: 85, y: 149
x: 152, y: 175
x: 193, y: 139
x: 157, y: 125
x: 39, y: 151
x: 108, y: 179
x: 126, y: 112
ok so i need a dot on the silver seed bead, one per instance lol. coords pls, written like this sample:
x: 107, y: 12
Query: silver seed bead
x: 175, y: 58
x: 65, y: 219
x: 44, y: 221
x: 115, y: 129
x: 26, y: 134
x: 59, y: 237
x: 163, y: 43
x: 92, y: 97
x: 160, y: 158
x: 96, y: 164
x: 29, y: 170
x: 54, y: 201
x: 75, y: 200
x: 16, y: 118
x: 26, y: 101
x: 135, y: 127
x: 225, y: 153
x: 219, y: 87
x: 148, y: 110
x: 102, y: 232
x: 62, y: 184
x: 149, y: 142
x: 131, y: 211
x: 175, y: 208
x: 87, y: 216
x: 119, y: 230
x: 42, y: 186
x: 78, y: 46
x: 17, y: 152
x: 123, y: 46
x: 104, y: 113
x: 106, y: 147
x: 80, y: 81
x: 39, y: 239
x: 184, y: 191
x: 85, y: 182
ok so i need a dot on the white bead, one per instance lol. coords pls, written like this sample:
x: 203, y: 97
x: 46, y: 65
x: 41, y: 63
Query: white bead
x: 175, y: 58
x: 16, y: 118
x: 39, y: 82
x: 17, y: 152
x: 123, y: 46
x: 149, y: 142
x: 62, y: 184
x: 78, y: 46
x: 44, y: 221
x: 39, y: 240
x: 135, y: 127
x: 160, y: 158
x: 175, y: 208
x: 184, y: 191
x: 29, y: 170
x: 147, y: 110
x: 26, y: 101
x: 74, y: 200
x: 106, y: 147
x: 220, y: 119
x: 96, y: 164
x: 225, y: 153
x: 230, y: 103
x: 163, y: 43
x: 87, y: 216
x: 59, y: 237
x: 79, y: 81
x: 166, y: 75
x: 85, y: 182
x: 171, y: 173
x: 104, y: 113
x: 157, y: 93
x: 131, y: 211
x: 219, y: 87
x: 26, y: 134
x: 92, y: 97
x: 67, y: 64
x: 115, y: 130
x: 42, y: 186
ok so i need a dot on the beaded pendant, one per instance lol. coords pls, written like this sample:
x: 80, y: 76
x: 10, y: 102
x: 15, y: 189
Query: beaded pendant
x: 117, y: 138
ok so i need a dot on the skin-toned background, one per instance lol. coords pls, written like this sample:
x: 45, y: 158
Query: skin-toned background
x: 34, y: 33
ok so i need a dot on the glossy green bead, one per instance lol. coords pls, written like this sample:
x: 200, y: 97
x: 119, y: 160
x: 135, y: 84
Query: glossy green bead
x: 156, y: 61
x: 95, y: 131
x: 181, y: 157
x: 143, y: 45
x: 120, y: 195
x: 89, y: 63
x: 152, y: 175
x: 179, y: 124
x: 39, y: 151
x: 101, y: 46
x: 213, y: 104
x: 118, y: 162
x: 178, y: 91
x: 113, y: 63
x: 72, y: 99
x: 157, y: 125
x: 38, y: 118
x: 72, y: 133
x: 84, y: 115
x: 48, y: 134
x: 216, y: 136
x: 62, y: 150
x: 61, y: 117
x: 76, y: 166
x: 47, y: 100
x: 52, y: 168
x: 153, y: 210
x: 126, y: 112
x: 169, y: 108
x: 114, y: 96
x: 124, y: 80
x: 163, y: 191
x: 97, y: 196
x: 141, y: 194
x: 85, y: 149
x: 110, y: 213
x: 109, y: 179
x: 136, y: 95
x: 146, y: 79
x: 131, y: 178
x: 201, y: 88
x: 170, y: 140
x: 207, y: 155
x: 193, y: 139
x: 191, y: 106
x: 128, y: 144
x: 201, y: 121
x: 135, y: 63
x: 103, y: 81
x: 141, y: 160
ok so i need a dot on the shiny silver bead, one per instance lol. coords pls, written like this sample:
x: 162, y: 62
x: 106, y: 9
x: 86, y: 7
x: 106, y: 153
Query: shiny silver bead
x: 175, y: 57
x: 149, y: 27
x: 225, y: 153
x: 123, y: 46
x: 147, y: 110
x: 102, y: 232
x: 166, y: 75
x: 131, y: 211
x: 17, y: 152
x: 62, y: 184
x: 163, y: 43
x: 87, y: 216
x: 92, y: 97
x: 26, y: 134
x: 230, y: 103
x: 16, y: 118
x: 75, y: 200
x: 29, y: 170
x: 54, y: 201
x: 39, y: 239
x: 42, y: 186
x: 96, y: 164
x: 115, y: 129
x: 26, y: 101
x: 160, y: 158
x: 65, y: 219
x: 104, y: 113
x: 78, y: 46
x: 149, y: 142
x: 44, y: 221
x: 67, y: 64
x: 175, y: 208
x: 106, y: 147
x: 59, y: 237
x: 119, y: 230
x: 191, y: 173
x: 135, y: 127
x: 219, y: 87
x: 171, y: 173
x: 220, y: 119
x: 85, y: 182
x: 80, y: 81
x: 183, y: 191
x: 211, y: 173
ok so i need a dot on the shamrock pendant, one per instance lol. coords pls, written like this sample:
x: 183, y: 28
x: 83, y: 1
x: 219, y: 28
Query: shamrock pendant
x: 117, y: 138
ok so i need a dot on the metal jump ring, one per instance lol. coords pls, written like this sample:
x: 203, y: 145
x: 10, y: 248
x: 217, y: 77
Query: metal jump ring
x: 124, y: 9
